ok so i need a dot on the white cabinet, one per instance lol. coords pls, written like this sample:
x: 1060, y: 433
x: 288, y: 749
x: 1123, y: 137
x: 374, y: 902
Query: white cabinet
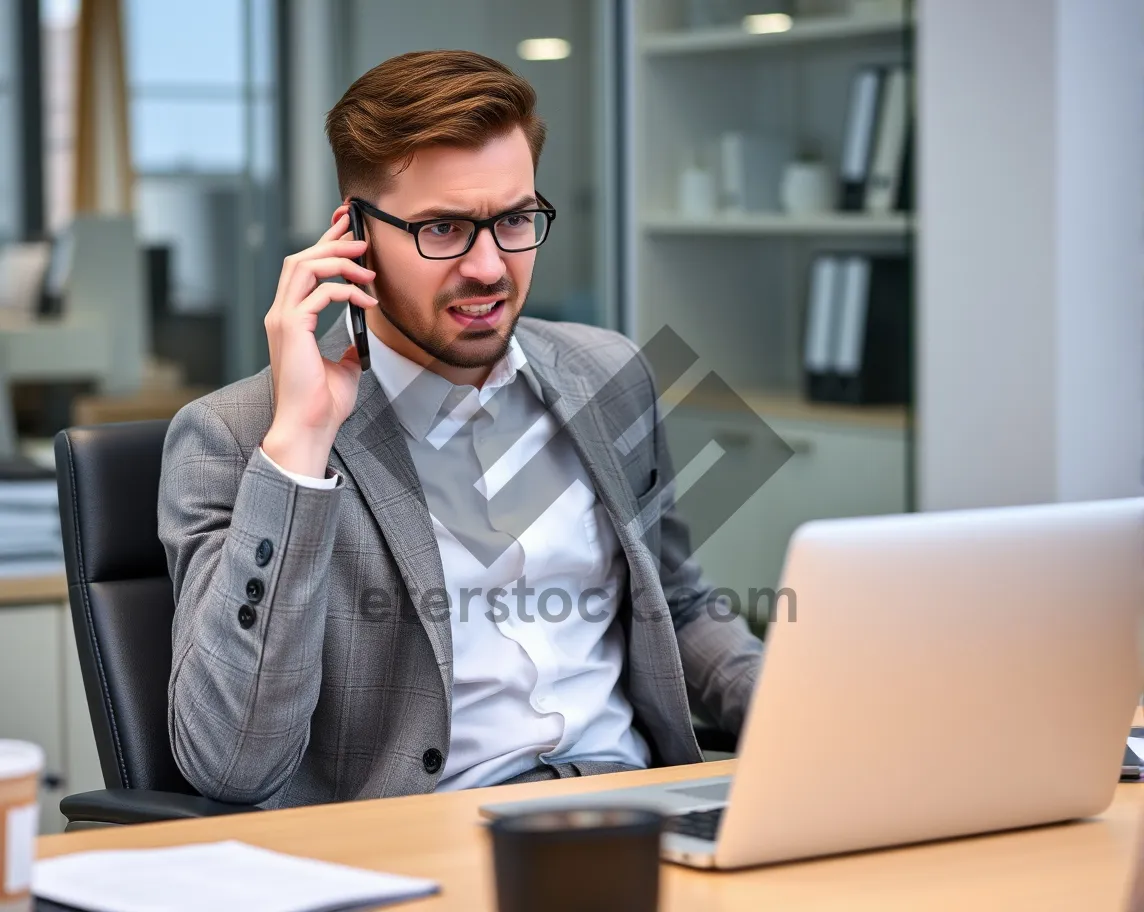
x: 31, y: 681
x: 39, y: 683
x: 838, y: 469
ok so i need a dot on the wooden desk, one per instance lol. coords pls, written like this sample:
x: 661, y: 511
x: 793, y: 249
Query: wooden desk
x: 33, y: 590
x: 1067, y: 867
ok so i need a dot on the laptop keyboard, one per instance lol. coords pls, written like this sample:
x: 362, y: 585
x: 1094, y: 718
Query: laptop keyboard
x: 700, y: 824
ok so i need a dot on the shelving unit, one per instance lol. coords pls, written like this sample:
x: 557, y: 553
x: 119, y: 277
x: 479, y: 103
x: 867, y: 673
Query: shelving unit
x: 779, y: 407
x: 734, y: 286
x: 827, y: 225
x: 824, y: 29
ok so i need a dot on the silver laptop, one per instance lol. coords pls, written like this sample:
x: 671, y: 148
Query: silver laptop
x: 945, y: 674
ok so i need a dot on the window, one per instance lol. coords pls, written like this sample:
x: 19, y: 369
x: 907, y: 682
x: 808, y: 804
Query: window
x: 186, y: 82
x: 58, y: 35
x: 187, y: 68
x: 200, y: 80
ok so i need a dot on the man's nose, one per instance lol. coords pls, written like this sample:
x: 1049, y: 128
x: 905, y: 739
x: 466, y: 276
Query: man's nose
x: 484, y: 262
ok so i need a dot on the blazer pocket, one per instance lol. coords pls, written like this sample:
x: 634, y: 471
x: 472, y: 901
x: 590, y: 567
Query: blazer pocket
x: 651, y: 533
x: 651, y: 489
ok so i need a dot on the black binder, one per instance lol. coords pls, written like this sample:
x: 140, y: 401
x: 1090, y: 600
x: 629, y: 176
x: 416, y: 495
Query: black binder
x: 887, y: 160
x: 821, y: 328
x: 905, y: 198
x: 858, y: 140
x: 858, y: 337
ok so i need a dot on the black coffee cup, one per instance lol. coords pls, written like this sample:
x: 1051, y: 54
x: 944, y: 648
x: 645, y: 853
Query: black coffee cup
x: 584, y: 859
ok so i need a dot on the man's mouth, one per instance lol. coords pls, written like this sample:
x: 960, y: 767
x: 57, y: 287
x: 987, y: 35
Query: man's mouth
x: 479, y: 313
x: 477, y: 309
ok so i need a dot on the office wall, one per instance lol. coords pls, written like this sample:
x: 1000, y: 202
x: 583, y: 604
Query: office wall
x: 1100, y: 276
x: 1031, y: 251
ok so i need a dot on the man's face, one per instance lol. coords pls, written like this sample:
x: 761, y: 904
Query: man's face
x: 418, y: 297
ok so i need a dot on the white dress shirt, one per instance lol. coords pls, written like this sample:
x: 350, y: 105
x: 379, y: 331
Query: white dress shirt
x: 534, y: 680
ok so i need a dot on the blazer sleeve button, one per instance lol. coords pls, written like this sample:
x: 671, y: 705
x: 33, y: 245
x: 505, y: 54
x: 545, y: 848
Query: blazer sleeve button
x: 246, y: 617
x: 432, y: 760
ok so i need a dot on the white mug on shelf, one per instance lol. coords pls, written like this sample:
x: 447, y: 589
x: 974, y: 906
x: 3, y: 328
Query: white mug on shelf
x: 696, y: 192
x: 807, y: 188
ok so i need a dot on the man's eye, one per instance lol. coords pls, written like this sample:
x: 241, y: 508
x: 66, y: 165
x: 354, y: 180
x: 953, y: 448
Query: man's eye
x: 441, y: 229
x: 516, y: 221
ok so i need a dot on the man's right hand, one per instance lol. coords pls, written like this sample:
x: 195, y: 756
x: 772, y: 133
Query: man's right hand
x: 312, y: 395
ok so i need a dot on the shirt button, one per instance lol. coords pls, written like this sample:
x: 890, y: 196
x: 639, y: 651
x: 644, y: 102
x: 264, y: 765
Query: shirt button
x: 246, y: 617
x: 254, y: 589
x: 263, y: 551
x: 432, y: 760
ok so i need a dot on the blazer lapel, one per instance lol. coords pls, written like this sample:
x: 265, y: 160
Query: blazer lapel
x: 568, y: 397
x: 372, y: 446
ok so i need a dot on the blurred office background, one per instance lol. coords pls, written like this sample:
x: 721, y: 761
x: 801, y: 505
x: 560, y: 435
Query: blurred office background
x: 905, y: 241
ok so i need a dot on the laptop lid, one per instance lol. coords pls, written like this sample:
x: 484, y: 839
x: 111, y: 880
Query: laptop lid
x: 943, y: 674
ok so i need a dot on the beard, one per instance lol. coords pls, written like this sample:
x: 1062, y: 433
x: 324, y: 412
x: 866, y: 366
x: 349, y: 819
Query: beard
x: 477, y: 348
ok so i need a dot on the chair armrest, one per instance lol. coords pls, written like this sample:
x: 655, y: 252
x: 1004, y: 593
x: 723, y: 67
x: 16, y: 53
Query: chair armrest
x: 711, y: 738
x: 143, y: 806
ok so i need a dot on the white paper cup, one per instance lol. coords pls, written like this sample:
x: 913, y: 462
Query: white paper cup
x: 20, y: 766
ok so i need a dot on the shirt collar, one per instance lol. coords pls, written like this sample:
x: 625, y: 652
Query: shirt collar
x: 418, y: 395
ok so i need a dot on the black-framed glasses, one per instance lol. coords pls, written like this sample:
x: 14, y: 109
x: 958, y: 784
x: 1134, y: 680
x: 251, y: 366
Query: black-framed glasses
x: 446, y: 238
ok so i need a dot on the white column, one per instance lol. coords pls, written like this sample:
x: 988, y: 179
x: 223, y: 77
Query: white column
x: 1031, y: 253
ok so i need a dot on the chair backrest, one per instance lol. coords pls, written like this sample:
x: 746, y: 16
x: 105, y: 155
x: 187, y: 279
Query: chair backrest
x: 121, y: 596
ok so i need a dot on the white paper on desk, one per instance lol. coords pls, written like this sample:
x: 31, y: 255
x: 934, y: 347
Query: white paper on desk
x: 214, y: 877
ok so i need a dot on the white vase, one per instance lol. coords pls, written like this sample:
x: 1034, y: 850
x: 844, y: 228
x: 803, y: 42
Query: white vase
x: 806, y: 188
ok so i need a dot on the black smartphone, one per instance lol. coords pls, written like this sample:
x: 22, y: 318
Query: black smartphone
x: 357, y: 315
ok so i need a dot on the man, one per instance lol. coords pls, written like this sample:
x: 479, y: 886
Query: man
x: 357, y: 556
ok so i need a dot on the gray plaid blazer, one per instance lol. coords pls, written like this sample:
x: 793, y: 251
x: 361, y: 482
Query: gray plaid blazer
x: 310, y: 661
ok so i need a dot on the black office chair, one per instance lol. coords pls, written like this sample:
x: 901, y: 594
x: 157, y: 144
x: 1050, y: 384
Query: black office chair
x: 122, y: 605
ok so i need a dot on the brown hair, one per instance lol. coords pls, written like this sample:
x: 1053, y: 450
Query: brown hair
x: 425, y: 98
